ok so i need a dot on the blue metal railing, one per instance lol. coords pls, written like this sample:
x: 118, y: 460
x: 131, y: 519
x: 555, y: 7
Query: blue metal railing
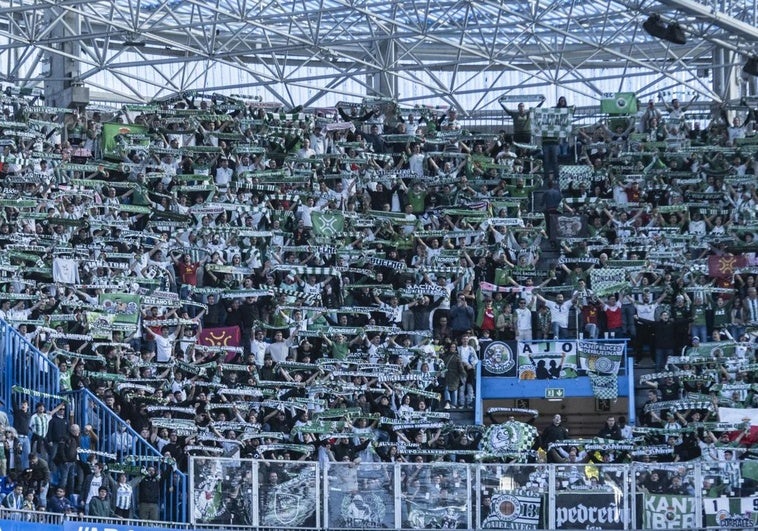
x: 23, y: 366
x: 116, y: 436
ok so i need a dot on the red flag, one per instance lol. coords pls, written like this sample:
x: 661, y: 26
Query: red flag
x: 223, y: 336
x: 724, y: 265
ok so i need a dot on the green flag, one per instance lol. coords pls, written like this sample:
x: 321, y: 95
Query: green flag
x: 620, y: 103
x: 329, y: 223
x: 113, y: 131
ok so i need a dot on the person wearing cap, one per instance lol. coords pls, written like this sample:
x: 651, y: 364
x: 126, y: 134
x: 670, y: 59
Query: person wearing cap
x: 691, y: 349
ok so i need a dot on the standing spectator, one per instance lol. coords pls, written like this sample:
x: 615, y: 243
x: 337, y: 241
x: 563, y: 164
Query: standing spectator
x: 164, y: 342
x: 121, y: 440
x: 625, y: 429
x: 469, y: 359
x: 553, y: 199
x: 559, y: 311
x: 591, y: 317
x: 461, y: 317
x: 680, y: 315
x: 551, y: 149
x: 149, y: 493
x: 650, y: 118
x: 523, y: 321
x: 454, y: 374
x: 40, y: 478
x: 555, y: 432
x: 522, y: 123
x: 57, y: 431
x: 699, y: 309
x: 67, y: 458
x: 664, y: 340
x: 93, y: 483
x: 12, y: 450
x: 100, y: 505
x: 4, y: 421
x: 645, y: 321
x: 21, y: 419
x: 186, y: 275
x: 612, y: 310
x: 40, y: 425
x: 124, y: 496
x: 610, y: 430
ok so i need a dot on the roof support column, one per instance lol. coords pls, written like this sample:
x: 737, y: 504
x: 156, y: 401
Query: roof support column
x: 62, y: 87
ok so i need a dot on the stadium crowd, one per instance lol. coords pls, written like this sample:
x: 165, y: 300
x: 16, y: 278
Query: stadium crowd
x: 233, y: 279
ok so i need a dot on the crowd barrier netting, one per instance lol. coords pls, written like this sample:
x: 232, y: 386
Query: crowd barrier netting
x: 447, y: 495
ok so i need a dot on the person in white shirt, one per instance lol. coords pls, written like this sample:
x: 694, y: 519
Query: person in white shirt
x: 559, y: 311
x: 317, y: 141
x: 645, y: 319
x: 306, y: 152
x: 416, y: 161
x: 245, y: 165
x: 468, y: 353
x: 223, y: 175
x: 164, y: 343
x: 279, y: 349
x: 258, y: 347
x: 523, y: 321
x: 304, y: 212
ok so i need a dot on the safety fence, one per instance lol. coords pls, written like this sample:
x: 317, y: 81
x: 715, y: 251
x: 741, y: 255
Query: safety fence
x: 120, y: 447
x: 448, y: 495
x: 27, y: 373
x: 25, y: 368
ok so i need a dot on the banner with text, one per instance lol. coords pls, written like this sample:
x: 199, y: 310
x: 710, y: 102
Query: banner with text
x: 589, y: 510
x: 545, y: 360
x: 668, y: 511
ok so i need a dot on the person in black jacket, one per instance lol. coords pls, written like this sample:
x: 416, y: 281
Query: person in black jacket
x: 610, y: 430
x: 39, y: 478
x: 664, y: 340
x: 149, y: 495
x: 67, y: 459
x: 22, y: 417
x: 554, y: 433
x: 56, y: 432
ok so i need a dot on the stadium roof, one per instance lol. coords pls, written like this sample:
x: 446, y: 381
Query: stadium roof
x: 438, y: 52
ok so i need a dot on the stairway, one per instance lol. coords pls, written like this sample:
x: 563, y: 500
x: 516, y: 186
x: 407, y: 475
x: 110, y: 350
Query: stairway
x: 25, y: 372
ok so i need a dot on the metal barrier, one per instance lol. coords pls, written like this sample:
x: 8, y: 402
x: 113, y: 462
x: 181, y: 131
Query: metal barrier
x: 118, y: 438
x: 22, y: 365
x: 345, y: 495
x: 37, y: 517
x: 35, y: 376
